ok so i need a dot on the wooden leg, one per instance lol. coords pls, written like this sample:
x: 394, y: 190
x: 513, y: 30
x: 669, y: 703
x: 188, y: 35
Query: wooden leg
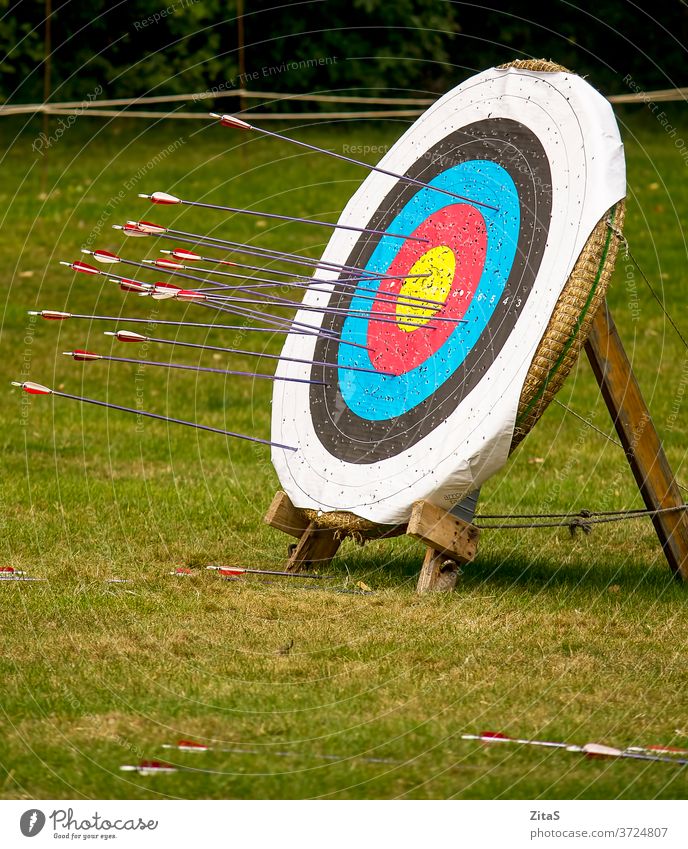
x: 450, y: 542
x: 639, y: 438
x: 438, y: 573
x: 315, y: 549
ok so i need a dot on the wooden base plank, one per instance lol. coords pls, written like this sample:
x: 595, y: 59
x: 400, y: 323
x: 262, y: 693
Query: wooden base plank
x: 447, y: 534
x: 315, y: 549
x: 285, y: 517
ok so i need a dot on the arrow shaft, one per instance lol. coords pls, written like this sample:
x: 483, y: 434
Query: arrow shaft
x: 296, y: 219
x: 159, y: 417
x: 259, y: 354
x: 368, y: 167
x: 207, y: 369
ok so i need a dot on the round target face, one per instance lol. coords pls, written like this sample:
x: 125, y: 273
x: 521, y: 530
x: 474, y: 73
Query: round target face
x: 474, y: 275
x: 427, y: 350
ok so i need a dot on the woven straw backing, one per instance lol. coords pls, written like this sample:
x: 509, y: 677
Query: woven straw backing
x: 534, y: 65
x: 570, y: 323
x: 582, y: 296
x: 339, y: 520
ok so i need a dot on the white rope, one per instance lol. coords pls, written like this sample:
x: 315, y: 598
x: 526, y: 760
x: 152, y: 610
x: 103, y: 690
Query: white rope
x: 664, y: 95
x: 211, y: 95
x: 96, y: 107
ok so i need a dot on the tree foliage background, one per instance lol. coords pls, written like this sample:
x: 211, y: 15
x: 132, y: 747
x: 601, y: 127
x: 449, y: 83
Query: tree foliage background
x: 136, y: 47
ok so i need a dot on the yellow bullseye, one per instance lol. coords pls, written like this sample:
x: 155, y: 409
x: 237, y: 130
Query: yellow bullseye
x: 439, y: 263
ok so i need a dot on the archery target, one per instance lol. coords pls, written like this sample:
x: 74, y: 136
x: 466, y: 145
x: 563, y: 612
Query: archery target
x: 434, y: 339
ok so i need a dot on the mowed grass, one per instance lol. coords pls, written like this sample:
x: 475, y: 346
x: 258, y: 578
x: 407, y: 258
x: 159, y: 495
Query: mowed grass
x: 569, y: 638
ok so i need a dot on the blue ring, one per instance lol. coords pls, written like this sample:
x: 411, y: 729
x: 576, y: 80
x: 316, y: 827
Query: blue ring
x: 379, y: 397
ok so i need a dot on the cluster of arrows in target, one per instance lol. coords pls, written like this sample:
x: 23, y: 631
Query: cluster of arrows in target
x: 217, y: 289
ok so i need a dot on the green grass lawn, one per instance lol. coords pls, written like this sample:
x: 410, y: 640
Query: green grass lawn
x: 579, y: 639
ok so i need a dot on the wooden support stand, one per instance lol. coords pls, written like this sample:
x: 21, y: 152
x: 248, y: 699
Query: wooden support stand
x: 639, y: 438
x: 451, y: 542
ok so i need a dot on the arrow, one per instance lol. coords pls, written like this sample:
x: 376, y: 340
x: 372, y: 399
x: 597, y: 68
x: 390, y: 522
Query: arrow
x: 591, y: 750
x: 38, y: 389
x: 167, y: 199
x: 146, y: 228
x: 237, y: 571
x: 237, y: 123
x: 193, y: 746
x: 148, y: 768
x: 57, y: 315
x: 128, y: 336
x: 89, y: 356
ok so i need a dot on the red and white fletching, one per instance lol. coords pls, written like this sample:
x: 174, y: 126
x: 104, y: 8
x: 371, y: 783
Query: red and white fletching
x: 232, y: 571
x: 104, y: 256
x: 82, y: 356
x: 167, y: 263
x: 163, y: 291
x: 52, y: 315
x: 33, y: 388
x: 161, y: 198
x: 231, y: 121
x: 127, y: 285
x: 190, y: 256
x: 83, y: 267
x: 147, y: 227
x: 131, y: 230
x: 597, y: 750
x: 127, y: 336
x: 191, y: 746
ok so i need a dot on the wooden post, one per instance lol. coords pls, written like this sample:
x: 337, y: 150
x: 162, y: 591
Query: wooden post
x: 639, y: 438
x: 438, y: 573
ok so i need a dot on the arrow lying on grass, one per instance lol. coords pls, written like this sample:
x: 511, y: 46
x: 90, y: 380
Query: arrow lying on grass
x: 237, y: 571
x: 192, y: 746
x: 591, y: 750
x: 155, y: 767
x: 9, y: 573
